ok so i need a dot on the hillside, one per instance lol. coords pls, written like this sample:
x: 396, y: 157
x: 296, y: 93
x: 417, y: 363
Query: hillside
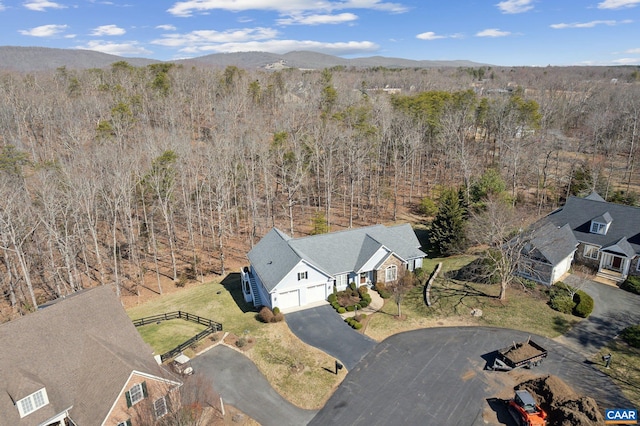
x: 31, y: 59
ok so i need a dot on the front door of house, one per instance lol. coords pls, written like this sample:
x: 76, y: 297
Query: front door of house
x: 616, y: 263
x: 363, y: 278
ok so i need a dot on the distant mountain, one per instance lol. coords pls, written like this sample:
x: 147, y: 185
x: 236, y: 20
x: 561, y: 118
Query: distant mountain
x: 314, y: 60
x: 30, y: 59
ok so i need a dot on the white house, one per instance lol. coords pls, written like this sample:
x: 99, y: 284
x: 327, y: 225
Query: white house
x: 290, y: 273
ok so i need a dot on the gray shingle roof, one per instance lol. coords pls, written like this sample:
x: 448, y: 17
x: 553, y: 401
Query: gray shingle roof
x: 334, y: 253
x: 82, y: 350
x: 554, y: 243
x: 579, y: 212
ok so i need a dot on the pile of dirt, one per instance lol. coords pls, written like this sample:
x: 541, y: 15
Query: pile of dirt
x: 521, y: 351
x: 562, y: 404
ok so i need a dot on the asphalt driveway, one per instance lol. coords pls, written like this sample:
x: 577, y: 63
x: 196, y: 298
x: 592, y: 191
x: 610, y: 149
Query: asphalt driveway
x: 437, y: 376
x: 324, y: 329
x: 613, y: 311
x: 241, y: 384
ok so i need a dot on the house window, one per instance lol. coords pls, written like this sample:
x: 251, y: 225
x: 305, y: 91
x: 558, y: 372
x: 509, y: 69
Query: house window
x: 136, y: 394
x: 341, y: 281
x: 159, y: 407
x: 302, y: 275
x: 591, y: 252
x: 598, y: 228
x: 32, y: 402
x: 391, y: 273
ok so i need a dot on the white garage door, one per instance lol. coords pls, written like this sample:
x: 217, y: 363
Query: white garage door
x: 288, y: 299
x: 316, y: 293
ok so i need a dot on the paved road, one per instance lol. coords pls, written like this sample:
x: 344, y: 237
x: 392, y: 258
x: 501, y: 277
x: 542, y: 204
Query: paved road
x: 241, y: 384
x: 323, y: 328
x: 614, y: 309
x: 436, y: 377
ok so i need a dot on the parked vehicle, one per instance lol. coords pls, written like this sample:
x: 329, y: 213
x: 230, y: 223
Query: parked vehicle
x: 525, y: 411
x: 182, y: 365
x: 523, y: 354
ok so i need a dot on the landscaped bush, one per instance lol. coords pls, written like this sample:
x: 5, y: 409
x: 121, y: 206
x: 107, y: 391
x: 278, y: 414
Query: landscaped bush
x: 562, y: 303
x: 631, y: 335
x: 584, y: 304
x: 357, y: 326
x: 353, y: 286
x: 418, y: 272
x: 335, y: 305
x: 363, y: 303
x: 632, y: 284
x: 341, y: 310
x: 351, y: 308
x: 332, y: 298
x: 266, y: 314
x: 241, y: 342
x: 382, y: 291
x: 362, y: 290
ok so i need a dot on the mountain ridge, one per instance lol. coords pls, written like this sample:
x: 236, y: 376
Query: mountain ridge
x: 34, y: 59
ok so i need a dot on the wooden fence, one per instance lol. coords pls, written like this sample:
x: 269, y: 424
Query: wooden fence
x: 212, y: 327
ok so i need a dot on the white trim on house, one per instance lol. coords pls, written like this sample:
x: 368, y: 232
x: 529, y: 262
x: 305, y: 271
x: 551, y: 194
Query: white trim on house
x: 599, y: 228
x: 588, y: 251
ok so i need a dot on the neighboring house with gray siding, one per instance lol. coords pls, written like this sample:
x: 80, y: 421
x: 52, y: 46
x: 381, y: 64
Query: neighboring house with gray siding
x: 293, y: 273
x: 608, y: 235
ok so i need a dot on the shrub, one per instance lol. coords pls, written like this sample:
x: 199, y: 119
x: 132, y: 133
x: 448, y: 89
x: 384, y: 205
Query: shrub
x: 351, y: 308
x: 427, y: 207
x: 241, y: 342
x: 562, y: 303
x: 276, y: 310
x: 367, y: 297
x: 632, y: 284
x: 418, y: 272
x: 631, y: 335
x: 335, y: 305
x: 353, y: 286
x: 182, y: 280
x: 278, y: 317
x: 584, y: 304
x: 341, y: 310
x: 362, y: 290
x: 363, y: 303
x: 332, y: 298
x: 265, y: 315
x: 357, y: 326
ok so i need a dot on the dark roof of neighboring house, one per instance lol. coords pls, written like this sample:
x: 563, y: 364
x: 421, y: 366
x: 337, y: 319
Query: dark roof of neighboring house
x: 554, y: 243
x: 579, y: 212
x: 334, y: 253
x: 81, y: 349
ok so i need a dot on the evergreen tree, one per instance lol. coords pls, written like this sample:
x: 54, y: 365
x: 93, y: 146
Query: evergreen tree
x: 448, y: 227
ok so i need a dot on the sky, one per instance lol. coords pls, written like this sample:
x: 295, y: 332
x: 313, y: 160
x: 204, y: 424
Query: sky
x: 507, y: 32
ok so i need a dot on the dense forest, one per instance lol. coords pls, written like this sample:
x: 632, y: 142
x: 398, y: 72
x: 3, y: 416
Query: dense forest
x: 147, y: 175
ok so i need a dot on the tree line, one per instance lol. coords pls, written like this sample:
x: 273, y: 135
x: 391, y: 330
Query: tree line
x: 134, y: 175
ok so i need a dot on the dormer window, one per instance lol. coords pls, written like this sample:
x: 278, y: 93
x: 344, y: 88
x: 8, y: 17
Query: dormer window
x: 598, y: 228
x: 600, y: 224
x: 32, y: 402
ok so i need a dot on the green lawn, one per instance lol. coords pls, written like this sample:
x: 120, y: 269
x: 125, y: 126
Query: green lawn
x: 296, y: 370
x: 453, y: 301
x: 168, y: 334
x: 624, y: 368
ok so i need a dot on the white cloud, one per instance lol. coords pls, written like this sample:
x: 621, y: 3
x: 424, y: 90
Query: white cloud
x: 430, y: 35
x: 627, y: 61
x: 2, y: 7
x: 189, y: 7
x: 492, y: 32
x: 515, y: 6
x: 42, y: 5
x: 590, y: 24
x: 198, y: 38
x: 284, y: 46
x: 166, y: 27
x: 633, y: 51
x: 618, y: 4
x: 317, y: 19
x: 110, y: 30
x: 120, y: 49
x: 44, y: 30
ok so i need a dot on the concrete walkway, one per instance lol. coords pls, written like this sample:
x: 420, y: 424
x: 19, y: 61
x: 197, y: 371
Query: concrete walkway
x: 613, y: 311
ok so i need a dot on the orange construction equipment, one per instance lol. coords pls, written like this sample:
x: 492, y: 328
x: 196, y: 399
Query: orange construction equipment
x: 525, y: 411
